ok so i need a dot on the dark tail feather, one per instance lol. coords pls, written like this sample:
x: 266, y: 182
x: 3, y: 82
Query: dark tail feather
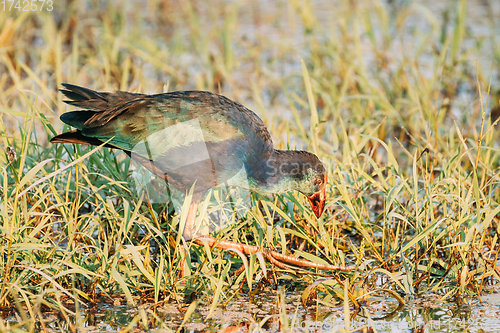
x: 93, y: 100
x: 77, y: 93
x: 84, y: 98
x: 77, y: 118
x: 76, y: 136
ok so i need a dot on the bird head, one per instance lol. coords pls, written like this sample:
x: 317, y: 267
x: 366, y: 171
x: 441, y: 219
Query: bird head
x: 313, y: 184
x: 317, y: 199
x: 301, y: 171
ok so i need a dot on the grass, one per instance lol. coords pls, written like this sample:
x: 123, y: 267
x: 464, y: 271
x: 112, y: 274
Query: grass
x: 399, y: 113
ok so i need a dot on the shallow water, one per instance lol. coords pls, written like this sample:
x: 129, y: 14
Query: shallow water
x: 262, y: 313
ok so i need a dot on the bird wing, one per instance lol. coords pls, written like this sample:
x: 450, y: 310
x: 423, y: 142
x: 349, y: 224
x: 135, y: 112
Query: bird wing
x: 178, y: 128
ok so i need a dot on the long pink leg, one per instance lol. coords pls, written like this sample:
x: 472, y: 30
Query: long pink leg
x: 189, y: 228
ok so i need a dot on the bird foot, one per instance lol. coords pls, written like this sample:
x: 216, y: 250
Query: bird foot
x: 274, y: 257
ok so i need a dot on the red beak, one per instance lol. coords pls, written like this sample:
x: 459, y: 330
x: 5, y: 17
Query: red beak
x: 317, y: 201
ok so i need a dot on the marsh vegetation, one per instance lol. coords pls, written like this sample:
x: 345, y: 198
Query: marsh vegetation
x: 400, y: 101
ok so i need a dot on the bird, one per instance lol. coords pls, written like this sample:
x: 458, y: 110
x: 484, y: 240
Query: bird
x: 195, y: 141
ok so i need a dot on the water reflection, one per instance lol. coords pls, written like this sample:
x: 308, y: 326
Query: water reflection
x: 263, y: 313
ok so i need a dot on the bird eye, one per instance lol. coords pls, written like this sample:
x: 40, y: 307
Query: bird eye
x: 319, y: 182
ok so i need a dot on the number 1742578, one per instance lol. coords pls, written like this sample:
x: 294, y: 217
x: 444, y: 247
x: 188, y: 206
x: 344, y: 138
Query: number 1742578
x: 26, y: 5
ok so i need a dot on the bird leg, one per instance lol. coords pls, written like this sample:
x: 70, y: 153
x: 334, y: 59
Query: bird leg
x: 189, y: 233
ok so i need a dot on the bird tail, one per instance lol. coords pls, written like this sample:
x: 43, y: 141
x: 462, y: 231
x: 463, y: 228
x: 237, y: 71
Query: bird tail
x: 92, y: 100
x: 84, y: 98
x: 95, y: 103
